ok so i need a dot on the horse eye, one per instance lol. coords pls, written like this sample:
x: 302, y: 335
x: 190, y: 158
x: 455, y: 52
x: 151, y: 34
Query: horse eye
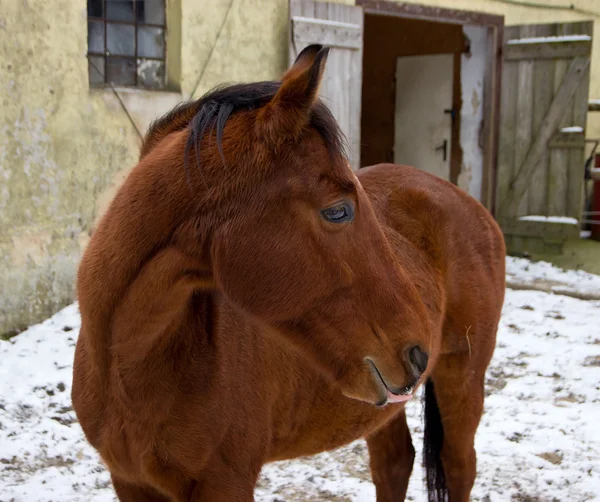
x: 339, y: 213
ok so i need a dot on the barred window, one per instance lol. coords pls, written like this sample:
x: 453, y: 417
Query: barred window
x: 126, y: 43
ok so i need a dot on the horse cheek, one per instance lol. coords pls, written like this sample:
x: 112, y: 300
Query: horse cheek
x: 263, y: 278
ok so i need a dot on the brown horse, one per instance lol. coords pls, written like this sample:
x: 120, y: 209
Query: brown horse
x: 247, y: 298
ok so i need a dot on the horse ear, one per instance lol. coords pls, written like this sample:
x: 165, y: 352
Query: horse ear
x: 289, y: 110
x: 301, y: 82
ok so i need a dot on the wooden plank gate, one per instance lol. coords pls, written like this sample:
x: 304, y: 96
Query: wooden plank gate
x: 544, y: 102
x: 340, y: 27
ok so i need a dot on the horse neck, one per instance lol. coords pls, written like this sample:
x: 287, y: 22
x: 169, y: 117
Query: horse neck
x: 140, y: 222
x: 156, y: 348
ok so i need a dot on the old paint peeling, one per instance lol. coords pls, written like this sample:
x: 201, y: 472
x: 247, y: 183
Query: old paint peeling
x: 476, y: 100
x: 472, y: 73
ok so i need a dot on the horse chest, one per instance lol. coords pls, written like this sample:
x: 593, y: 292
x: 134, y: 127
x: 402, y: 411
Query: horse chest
x: 327, y: 425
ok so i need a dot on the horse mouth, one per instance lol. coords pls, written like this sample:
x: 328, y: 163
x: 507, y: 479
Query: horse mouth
x: 395, y: 395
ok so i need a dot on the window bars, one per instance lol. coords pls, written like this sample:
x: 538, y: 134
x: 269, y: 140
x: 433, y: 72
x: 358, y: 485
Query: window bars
x: 126, y: 43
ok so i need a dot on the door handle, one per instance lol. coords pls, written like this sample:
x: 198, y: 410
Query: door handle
x: 444, y: 148
x: 451, y: 112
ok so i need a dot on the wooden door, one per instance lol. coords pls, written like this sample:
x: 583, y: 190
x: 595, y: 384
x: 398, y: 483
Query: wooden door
x: 422, y: 124
x: 540, y: 179
x: 339, y: 27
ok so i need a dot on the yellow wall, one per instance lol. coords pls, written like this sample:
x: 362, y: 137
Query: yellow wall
x: 64, y: 148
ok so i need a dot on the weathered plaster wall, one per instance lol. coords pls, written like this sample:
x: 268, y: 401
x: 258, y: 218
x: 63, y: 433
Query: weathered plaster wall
x: 252, y: 46
x: 59, y: 148
x: 64, y: 148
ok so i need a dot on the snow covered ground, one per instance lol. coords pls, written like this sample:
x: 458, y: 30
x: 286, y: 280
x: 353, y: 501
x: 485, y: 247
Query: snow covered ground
x: 539, y: 439
x: 520, y: 271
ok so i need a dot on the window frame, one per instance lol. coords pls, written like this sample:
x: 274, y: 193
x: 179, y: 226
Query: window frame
x: 135, y: 57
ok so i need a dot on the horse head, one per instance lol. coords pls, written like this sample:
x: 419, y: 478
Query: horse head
x: 291, y: 239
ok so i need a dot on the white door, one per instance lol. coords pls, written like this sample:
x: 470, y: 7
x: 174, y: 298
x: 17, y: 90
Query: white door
x: 423, y: 119
x: 340, y: 27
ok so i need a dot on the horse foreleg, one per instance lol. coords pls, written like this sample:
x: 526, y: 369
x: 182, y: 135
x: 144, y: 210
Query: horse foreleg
x: 224, y: 484
x: 392, y: 456
x: 127, y: 492
x: 455, y: 398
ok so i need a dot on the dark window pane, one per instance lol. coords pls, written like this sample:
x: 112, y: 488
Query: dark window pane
x: 96, y: 70
x: 151, y: 42
x: 151, y: 12
x: 96, y: 37
x: 120, y: 39
x: 120, y: 10
x: 151, y: 73
x: 94, y: 8
x: 120, y: 71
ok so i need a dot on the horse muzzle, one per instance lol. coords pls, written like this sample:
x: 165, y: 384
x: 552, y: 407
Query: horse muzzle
x: 415, y: 363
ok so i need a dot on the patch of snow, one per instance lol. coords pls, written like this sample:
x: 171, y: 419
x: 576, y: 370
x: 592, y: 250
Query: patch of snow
x: 585, y: 234
x: 552, y: 39
x: 572, y: 129
x: 538, y: 438
x: 43, y: 454
x: 550, y: 219
x: 526, y: 271
x: 594, y: 101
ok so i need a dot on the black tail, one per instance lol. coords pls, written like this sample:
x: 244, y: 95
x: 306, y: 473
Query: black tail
x: 432, y: 448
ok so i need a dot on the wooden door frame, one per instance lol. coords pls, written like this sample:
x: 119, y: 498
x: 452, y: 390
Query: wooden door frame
x: 492, y: 86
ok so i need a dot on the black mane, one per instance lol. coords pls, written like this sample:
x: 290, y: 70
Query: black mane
x: 215, y: 107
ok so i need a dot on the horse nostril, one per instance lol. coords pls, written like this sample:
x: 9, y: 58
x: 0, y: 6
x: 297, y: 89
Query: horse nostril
x: 418, y: 359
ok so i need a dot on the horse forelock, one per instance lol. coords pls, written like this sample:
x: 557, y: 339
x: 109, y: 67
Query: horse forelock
x: 211, y: 113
